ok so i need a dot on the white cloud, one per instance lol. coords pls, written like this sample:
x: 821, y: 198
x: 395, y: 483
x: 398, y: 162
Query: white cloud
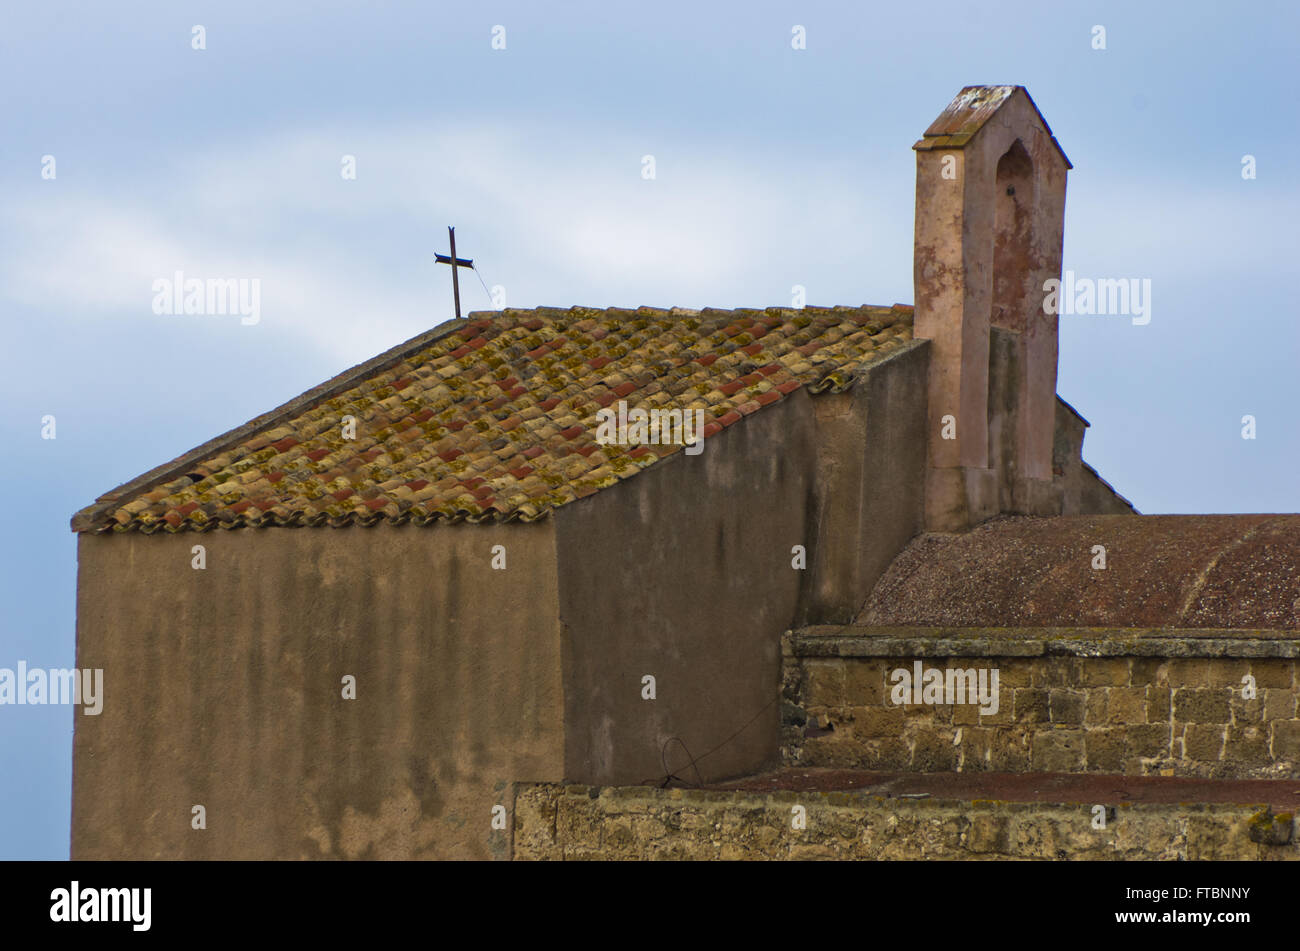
x: 341, y: 264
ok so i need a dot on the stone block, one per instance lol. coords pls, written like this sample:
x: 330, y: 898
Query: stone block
x: 1126, y: 705
x: 865, y: 682
x: 1158, y: 704
x: 1273, y: 672
x: 1106, y: 749
x: 973, y: 752
x: 877, y: 721
x: 1031, y: 705
x: 1058, y: 751
x: 1009, y: 751
x: 1104, y: 671
x: 1279, y: 704
x: 1246, y: 712
x: 834, y: 751
x: 1149, y: 672
x: 1066, y: 707
x: 1189, y: 672
x: 1203, y: 741
x: 1012, y: 672
x: 1094, y: 706
x: 1286, y: 740
x: 934, y: 752
x: 988, y: 833
x: 942, y: 712
x: 1227, y: 672
x: 1247, y: 746
x: 887, y: 755
x: 1202, y: 705
x: 823, y: 683
x: 1149, y: 740
x: 1056, y: 672
x: 1004, y: 716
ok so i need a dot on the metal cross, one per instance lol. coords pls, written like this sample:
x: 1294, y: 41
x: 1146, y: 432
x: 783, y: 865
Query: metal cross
x: 455, y: 262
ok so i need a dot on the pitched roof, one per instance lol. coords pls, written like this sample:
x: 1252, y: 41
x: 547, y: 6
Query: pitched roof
x: 495, y: 416
x: 969, y: 111
x: 1162, y: 571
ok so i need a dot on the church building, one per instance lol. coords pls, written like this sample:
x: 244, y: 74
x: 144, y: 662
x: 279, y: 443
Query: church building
x: 638, y: 551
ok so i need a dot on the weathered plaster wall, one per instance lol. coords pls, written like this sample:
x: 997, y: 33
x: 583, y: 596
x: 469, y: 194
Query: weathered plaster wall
x: 1082, y: 491
x: 223, y: 688
x: 1097, y: 496
x: 684, y: 573
x: 578, y: 823
x: 987, y: 237
x: 870, y: 489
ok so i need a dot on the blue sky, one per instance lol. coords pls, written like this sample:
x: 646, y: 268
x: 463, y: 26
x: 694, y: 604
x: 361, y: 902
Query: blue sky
x: 774, y: 167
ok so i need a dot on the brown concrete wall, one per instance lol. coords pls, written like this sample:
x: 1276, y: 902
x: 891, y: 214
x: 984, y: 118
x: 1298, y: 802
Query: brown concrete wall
x: 223, y: 688
x: 1097, y: 497
x: 1137, y: 715
x: 684, y: 573
x: 577, y: 823
x: 870, y: 489
x: 1082, y: 491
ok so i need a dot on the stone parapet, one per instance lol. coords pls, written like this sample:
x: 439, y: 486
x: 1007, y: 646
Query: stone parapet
x: 1140, y: 703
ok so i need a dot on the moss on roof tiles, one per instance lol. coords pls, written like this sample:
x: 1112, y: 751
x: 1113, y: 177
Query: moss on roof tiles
x: 497, y: 419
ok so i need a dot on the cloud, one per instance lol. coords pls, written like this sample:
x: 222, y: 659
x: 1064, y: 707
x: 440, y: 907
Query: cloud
x: 347, y: 266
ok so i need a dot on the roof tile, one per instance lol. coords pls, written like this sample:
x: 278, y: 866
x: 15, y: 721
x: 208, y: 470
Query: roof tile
x: 496, y: 418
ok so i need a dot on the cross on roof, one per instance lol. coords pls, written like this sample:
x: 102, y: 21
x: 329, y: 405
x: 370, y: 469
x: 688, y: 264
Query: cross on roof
x: 455, y: 262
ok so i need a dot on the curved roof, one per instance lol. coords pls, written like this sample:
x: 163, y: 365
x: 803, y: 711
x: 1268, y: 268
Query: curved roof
x: 495, y: 416
x: 1183, y: 571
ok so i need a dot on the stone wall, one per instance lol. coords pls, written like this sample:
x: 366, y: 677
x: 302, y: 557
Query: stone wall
x: 553, y: 822
x: 1158, y: 704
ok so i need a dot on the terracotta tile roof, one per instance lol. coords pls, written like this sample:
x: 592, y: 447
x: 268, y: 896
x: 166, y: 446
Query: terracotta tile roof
x: 494, y: 417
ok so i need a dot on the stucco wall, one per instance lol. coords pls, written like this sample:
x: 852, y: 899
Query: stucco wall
x: 1097, y: 497
x: 684, y: 573
x: 980, y: 263
x: 223, y: 688
x: 870, y: 489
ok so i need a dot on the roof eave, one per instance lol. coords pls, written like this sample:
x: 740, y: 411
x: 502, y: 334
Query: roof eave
x: 91, y: 517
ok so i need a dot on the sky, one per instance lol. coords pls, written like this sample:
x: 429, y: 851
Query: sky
x: 774, y: 166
